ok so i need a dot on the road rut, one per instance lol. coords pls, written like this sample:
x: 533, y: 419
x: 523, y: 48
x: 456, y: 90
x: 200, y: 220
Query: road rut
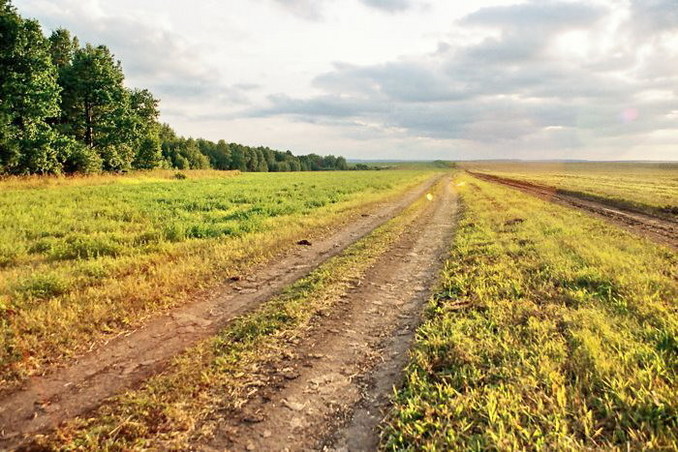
x: 46, y: 401
x: 345, y: 367
x: 661, y: 230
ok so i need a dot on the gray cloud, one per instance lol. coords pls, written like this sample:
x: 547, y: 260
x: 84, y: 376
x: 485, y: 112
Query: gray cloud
x: 313, y: 9
x: 319, y: 107
x: 522, y: 87
x: 507, y: 89
x: 154, y: 58
x: 389, y: 5
x: 543, y: 14
x: 407, y: 81
x: 307, y: 9
x: 651, y: 16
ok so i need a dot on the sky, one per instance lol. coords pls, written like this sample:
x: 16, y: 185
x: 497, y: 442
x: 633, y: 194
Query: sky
x: 400, y: 79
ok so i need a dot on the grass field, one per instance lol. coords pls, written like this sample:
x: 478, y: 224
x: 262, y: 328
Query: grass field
x: 173, y: 410
x: 648, y: 187
x: 83, y: 259
x: 552, y: 331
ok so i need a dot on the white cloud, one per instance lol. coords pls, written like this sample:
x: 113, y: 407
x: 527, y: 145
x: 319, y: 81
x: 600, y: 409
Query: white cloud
x: 401, y: 78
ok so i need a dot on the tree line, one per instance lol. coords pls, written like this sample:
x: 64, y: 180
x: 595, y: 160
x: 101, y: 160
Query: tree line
x: 64, y: 108
x: 189, y: 153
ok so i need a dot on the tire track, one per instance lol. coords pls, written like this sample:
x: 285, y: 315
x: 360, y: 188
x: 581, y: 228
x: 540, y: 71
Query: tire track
x: 46, y: 401
x: 346, y: 365
x: 661, y: 230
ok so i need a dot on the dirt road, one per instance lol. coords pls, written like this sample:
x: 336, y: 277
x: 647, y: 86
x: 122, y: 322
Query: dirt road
x: 45, y: 401
x: 346, y: 365
x: 661, y: 230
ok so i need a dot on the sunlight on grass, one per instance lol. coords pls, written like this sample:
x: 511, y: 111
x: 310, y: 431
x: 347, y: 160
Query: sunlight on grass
x: 552, y: 331
x: 215, y: 378
x: 81, y: 260
x: 647, y: 187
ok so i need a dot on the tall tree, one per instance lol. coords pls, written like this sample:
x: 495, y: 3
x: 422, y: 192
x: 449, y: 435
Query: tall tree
x: 238, y: 157
x: 341, y: 164
x: 145, y: 129
x: 196, y: 159
x: 96, y: 106
x: 29, y: 95
x: 62, y: 48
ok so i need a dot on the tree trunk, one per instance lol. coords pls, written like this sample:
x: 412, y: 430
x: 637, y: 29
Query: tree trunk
x: 89, y: 134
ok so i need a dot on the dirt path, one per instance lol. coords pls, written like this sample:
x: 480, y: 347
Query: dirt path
x: 661, y: 230
x: 46, y: 401
x: 339, y: 381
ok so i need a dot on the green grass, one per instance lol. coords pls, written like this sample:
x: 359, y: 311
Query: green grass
x: 214, y: 379
x: 647, y: 187
x: 86, y: 258
x: 552, y: 330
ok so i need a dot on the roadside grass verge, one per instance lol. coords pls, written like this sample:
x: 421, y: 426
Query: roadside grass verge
x: 214, y: 379
x: 82, y: 262
x: 552, y: 330
x: 650, y: 188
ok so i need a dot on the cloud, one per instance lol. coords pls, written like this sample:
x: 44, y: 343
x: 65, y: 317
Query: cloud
x: 313, y: 9
x: 389, y: 5
x: 517, y: 87
x: 153, y: 56
x: 536, y: 78
x: 307, y: 9
x: 406, y: 81
x: 653, y: 16
x: 542, y: 14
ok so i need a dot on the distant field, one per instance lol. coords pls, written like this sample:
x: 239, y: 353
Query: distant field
x: 408, y: 164
x: 86, y: 257
x: 552, y: 330
x: 648, y: 187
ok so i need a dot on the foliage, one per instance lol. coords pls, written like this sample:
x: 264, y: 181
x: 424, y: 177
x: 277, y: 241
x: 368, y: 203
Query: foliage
x: 64, y: 108
x: 29, y: 96
x: 95, y: 106
x: 188, y: 153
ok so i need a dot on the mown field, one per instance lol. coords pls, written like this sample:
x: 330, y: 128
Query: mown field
x: 552, y: 330
x: 647, y: 187
x: 83, y: 259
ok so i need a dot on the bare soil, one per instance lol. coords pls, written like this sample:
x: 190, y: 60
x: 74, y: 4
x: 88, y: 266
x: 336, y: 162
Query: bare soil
x: 658, y: 229
x: 335, y: 390
x: 45, y: 401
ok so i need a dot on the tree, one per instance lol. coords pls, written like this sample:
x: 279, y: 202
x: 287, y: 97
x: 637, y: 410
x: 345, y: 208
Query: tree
x: 341, y: 164
x: 329, y: 162
x: 29, y: 96
x: 62, y: 48
x: 196, y: 159
x: 221, y: 158
x: 96, y: 106
x: 238, y: 158
x: 294, y: 165
x: 262, y: 166
x: 251, y: 161
x: 145, y: 129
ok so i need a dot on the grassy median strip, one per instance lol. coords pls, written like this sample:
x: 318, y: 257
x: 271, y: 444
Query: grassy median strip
x: 220, y: 374
x: 552, y: 331
x: 82, y: 261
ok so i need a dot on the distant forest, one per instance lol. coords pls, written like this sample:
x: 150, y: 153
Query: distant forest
x: 64, y: 108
